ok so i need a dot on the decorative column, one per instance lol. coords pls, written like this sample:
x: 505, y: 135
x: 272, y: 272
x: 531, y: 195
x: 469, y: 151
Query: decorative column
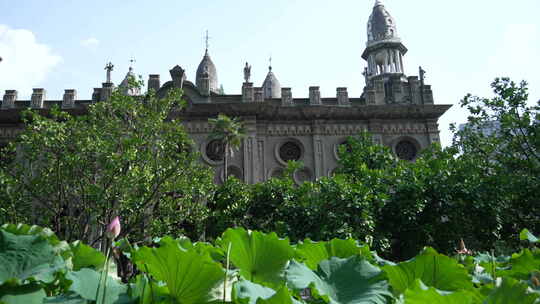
x: 250, y: 150
x: 432, y: 128
x: 9, y: 99
x: 37, y: 99
x: 286, y: 97
x: 247, y: 92
x: 106, y: 91
x: 318, y: 154
x: 68, y: 101
x: 153, y: 82
x: 314, y: 96
x: 342, y: 96
x: 258, y: 94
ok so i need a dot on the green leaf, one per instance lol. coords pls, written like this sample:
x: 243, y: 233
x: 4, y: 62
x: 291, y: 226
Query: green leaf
x: 312, y: 253
x: 526, y: 235
x: 24, y: 257
x: 247, y: 292
x: 511, y: 291
x: 144, y: 293
x: 24, y: 294
x: 282, y: 296
x: 432, y: 268
x: 70, y: 298
x: 85, y: 256
x: 24, y: 229
x: 260, y: 258
x: 419, y: 293
x: 341, y: 281
x: 190, y: 275
x: 522, y: 264
x: 86, y: 281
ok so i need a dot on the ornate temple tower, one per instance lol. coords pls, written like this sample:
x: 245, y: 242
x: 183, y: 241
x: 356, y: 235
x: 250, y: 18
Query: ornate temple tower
x: 386, y: 82
x: 124, y: 85
x: 384, y: 51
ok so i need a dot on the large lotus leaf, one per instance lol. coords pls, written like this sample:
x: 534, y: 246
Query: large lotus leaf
x: 85, y: 283
x: 24, y: 229
x: 526, y: 235
x: 148, y: 292
x: 418, y: 293
x: 24, y: 257
x: 433, y: 269
x: 246, y: 292
x: 216, y: 253
x: 259, y: 257
x: 22, y: 294
x: 71, y: 298
x: 522, y: 265
x: 511, y: 291
x: 282, y: 296
x: 312, y: 253
x: 190, y: 275
x: 85, y: 256
x: 341, y: 281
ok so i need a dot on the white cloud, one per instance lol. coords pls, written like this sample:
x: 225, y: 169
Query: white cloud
x: 26, y: 62
x: 91, y: 43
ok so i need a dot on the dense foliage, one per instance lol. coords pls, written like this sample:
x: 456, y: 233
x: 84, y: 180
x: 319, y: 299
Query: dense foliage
x: 125, y: 156
x: 252, y: 267
x: 484, y: 189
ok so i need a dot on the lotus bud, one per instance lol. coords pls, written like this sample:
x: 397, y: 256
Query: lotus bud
x: 462, y: 249
x: 113, y: 230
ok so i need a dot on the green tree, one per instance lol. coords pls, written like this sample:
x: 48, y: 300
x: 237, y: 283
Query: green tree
x: 230, y: 132
x: 124, y: 156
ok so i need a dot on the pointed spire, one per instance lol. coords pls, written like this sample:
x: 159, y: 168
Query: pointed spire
x: 378, y: 2
x: 270, y: 63
x: 207, y: 43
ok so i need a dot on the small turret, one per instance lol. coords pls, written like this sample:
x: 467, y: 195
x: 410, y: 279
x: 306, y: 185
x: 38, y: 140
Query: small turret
x: 271, y: 86
x: 125, y: 87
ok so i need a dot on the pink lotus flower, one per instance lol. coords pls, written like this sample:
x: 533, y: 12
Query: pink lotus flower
x: 462, y: 249
x: 113, y: 229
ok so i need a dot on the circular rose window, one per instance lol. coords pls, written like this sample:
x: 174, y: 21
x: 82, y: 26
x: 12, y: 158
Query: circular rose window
x: 290, y: 151
x: 406, y: 150
x: 215, y: 150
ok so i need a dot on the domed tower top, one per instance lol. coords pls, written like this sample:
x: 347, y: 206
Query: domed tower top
x: 381, y: 26
x: 271, y: 86
x: 125, y: 86
x: 384, y: 50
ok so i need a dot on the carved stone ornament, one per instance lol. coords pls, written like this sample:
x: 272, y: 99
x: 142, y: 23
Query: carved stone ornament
x: 290, y: 151
x: 406, y: 150
x: 215, y: 150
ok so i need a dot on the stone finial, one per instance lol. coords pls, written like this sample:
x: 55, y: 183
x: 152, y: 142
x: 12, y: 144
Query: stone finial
x: 342, y: 96
x: 9, y: 99
x: 247, y: 92
x: 247, y: 72
x: 258, y: 94
x: 109, y: 68
x: 286, y: 97
x: 38, y: 97
x: 154, y: 82
x: 314, y: 96
x: 178, y: 76
x: 68, y: 100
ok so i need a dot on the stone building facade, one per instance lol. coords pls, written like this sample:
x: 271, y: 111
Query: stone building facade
x: 399, y: 112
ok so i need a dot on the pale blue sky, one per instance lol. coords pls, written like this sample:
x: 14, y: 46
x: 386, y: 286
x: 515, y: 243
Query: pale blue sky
x: 461, y: 44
